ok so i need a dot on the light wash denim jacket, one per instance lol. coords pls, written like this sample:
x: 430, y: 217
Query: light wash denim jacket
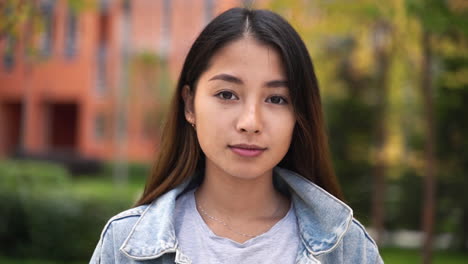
x: 329, y: 234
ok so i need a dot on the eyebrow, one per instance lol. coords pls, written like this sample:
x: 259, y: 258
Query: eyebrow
x: 233, y: 79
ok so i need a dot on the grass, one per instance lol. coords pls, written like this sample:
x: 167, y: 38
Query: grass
x: 410, y: 256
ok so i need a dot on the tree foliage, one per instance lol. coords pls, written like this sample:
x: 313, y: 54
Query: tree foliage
x: 342, y: 37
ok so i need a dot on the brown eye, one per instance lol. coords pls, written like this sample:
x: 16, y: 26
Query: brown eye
x: 277, y: 100
x: 225, y: 95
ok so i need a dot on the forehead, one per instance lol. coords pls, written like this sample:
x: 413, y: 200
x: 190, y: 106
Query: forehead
x: 248, y: 58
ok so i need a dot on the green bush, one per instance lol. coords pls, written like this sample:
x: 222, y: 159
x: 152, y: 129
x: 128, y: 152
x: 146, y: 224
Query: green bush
x: 43, y: 216
x: 137, y: 172
x: 18, y: 176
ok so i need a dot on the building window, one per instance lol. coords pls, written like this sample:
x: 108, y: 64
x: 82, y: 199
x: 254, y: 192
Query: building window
x: 100, y: 127
x: 71, y: 34
x: 101, y: 76
x: 101, y: 53
x: 46, y: 37
x: 9, y: 52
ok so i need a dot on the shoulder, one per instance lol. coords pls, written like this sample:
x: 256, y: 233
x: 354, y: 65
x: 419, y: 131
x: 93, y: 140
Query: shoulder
x: 114, y: 234
x: 357, y: 231
x: 358, y: 245
x: 124, y: 221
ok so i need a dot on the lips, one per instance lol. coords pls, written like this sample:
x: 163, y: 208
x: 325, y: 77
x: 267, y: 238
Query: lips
x: 246, y: 150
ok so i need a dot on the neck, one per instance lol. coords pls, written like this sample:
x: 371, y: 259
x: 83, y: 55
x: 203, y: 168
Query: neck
x: 239, y: 198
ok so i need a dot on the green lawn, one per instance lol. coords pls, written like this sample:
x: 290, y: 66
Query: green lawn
x: 410, y: 256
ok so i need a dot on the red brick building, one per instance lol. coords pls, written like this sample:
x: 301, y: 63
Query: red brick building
x: 98, y: 89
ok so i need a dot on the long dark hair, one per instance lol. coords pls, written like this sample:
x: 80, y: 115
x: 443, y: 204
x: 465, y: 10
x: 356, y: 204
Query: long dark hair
x: 180, y: 154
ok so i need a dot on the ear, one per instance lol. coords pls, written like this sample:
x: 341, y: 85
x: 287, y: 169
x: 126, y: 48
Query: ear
x: 188, y: 98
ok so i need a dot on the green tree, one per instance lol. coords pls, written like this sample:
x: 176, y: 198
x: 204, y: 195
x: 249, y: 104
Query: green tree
x: 437, y: 18
x: 364, y: 74
x: 381, y: 55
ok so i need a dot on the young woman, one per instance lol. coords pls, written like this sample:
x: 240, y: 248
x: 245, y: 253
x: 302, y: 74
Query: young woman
x: 244, y: 173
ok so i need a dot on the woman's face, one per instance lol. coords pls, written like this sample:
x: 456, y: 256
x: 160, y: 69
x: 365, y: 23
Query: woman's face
x: 242, y: 110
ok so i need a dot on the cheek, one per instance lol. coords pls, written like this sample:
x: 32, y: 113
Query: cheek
x: 287, y: 134
x: 211, y: 124
x: 210, y: 118
x: 283, y: 125
x: 283, y: 132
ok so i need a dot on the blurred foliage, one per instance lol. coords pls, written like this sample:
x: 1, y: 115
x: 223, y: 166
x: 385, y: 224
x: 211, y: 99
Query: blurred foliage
x: 17, y: 13
x: 47, y: 214
x: 344, y: 39
x: 31, y: 175
x: 350, y: 151
x: 452, y: 111
x: 14, y: 14
x: 29, y: 16
x: 440, y: 16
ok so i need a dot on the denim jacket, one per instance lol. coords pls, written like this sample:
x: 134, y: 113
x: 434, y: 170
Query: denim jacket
x: 328, y: 231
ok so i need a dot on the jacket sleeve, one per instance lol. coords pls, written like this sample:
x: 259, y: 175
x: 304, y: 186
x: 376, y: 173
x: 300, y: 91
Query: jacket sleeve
x: 105, y: 250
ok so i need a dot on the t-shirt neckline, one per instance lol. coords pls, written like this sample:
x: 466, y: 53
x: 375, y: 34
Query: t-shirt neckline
x: 265, y: 235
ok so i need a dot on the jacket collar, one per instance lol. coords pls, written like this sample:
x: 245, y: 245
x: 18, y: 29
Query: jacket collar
x: 322, y: 219
x: 153, y: 234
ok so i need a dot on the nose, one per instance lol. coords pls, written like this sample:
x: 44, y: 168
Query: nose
x: 250, y: 120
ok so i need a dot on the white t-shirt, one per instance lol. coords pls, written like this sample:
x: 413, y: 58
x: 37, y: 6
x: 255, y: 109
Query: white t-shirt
x: 196, y: 240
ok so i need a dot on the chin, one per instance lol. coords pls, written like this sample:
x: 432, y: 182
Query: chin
x: 248, y: 172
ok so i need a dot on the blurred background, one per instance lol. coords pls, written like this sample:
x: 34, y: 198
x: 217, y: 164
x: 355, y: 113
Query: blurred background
x: 85, y: 84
